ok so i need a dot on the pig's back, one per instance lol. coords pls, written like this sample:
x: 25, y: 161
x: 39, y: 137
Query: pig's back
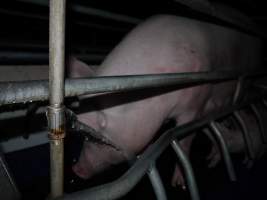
x: 165, y: 44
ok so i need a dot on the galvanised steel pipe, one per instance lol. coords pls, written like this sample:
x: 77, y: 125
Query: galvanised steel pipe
x: 157, y: 184
x: 188, y: 171
x: 128, y: 180
x: 223, y: 148
x: 246, y: 135
x: 28, y: 91
x: 40, y: 57
x: 92, y: 11
x: 44, y: 17
x: 55, y: 112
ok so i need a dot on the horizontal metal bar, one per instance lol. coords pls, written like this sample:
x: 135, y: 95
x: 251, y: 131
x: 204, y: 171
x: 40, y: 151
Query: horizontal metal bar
x: 156, y: 182
x: 81, y: 23
x: 30, y: 57
x: 128, y: 180
x: 224, y: 150
x: 188, y: 170
x: 91, y: 11
x: 28, y: 91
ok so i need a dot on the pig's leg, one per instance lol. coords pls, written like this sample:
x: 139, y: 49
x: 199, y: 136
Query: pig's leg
x: 194, y: 111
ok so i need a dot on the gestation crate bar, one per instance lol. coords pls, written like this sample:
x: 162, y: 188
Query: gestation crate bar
x: 128, y: 180
x: 56, y: 89
x: 56, y: 110
x: 28, y: 91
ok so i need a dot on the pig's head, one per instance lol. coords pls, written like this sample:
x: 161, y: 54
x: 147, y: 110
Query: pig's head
x: 102, y: 151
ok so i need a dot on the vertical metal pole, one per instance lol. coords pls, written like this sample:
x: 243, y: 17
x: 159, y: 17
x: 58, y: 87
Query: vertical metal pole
x: 258, y: 117
x: 157, y: 183
x: 224, y: 150
x: 189, y: 174
x: 246, y: 135
x: 55, y: 113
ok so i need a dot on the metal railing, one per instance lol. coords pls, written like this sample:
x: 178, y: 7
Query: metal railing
x: 21, y: 92
x: 127, y: 181
x: 11, y: 93
x: 28, y: 91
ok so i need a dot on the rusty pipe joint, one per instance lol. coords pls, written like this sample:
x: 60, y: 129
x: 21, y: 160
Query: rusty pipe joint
x: 56, y: 122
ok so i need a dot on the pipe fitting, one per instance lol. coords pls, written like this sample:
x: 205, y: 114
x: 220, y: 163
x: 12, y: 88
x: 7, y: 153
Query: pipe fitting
x: 56, y: 122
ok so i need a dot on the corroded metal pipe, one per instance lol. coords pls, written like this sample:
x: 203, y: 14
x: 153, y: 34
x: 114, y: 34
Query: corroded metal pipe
x: 55, y: 113
x: 187, y: 168
x: 224, y: 150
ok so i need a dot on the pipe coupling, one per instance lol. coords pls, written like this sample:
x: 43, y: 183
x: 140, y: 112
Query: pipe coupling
x: 56, y: 122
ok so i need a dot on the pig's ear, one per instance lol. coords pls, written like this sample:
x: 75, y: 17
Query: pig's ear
x: 77, y: 68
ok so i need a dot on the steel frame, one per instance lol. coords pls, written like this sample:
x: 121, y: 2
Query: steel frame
x: 21, y: 92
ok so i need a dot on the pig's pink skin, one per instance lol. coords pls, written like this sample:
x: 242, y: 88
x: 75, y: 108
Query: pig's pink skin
x: 164, y: 44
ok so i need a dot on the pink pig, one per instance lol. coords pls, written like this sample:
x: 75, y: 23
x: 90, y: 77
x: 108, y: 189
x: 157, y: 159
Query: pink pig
x: 161, y: 44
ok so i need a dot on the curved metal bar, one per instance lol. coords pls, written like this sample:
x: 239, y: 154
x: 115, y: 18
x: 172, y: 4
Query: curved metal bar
x: 156, y: 182
x: 246, y: 135
x: 238, y: 90
x: 259, y: 119
x: 189, y: 174
x: 128, y: 180
x: 224, y: 150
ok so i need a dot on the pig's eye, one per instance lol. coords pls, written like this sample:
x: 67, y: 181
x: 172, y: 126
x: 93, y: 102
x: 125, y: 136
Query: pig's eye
x: 101, y: 120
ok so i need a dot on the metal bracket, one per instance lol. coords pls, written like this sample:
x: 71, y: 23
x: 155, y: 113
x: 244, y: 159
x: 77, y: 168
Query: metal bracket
x: 56, y: 122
